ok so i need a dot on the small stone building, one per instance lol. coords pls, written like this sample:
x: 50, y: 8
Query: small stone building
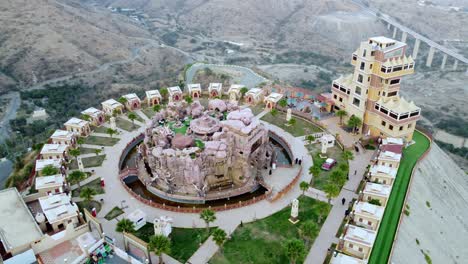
x: 254, y: 96
x: 376, y: 191
x: 59, y: 211
x: 175, y: 94
x: 382, y: 174
x: 194, y: 90
x: 97, y: 116
x: 234, y: 92
x: 63, y: 137
x: 133, y: 101
x: 78, y: 126
x: 111, y: 105
x: 357, y: 241
x: 47, y: 185
x: 54, y: 151
x: 41, y: 163
x: 271, y: 100
x: 367, y: 215
x: 153, y: 97
x: 215, y: 89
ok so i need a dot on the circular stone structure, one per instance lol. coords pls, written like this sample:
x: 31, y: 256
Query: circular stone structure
x: 213, y: 160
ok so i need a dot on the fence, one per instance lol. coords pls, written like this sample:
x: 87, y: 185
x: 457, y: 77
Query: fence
x: 288, y: 187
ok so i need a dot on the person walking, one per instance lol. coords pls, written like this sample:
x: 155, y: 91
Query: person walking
x: 355, y: 171
x: 343, y: 201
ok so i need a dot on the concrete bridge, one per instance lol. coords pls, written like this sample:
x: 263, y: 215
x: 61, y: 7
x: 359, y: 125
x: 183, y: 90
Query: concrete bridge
x: 405, y: 31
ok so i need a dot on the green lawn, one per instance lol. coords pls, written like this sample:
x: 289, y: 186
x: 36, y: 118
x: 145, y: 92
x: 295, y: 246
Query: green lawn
x: 95, y: 185
x: 257, y: 109
x: 386, y: 234
x: 100, y: 129
x: 148, y: 111
x: 94, y: 161
x: 101, y: 141
x: 86, y: 150
x: 184, y: 241
x: 89, y: 206
x: 116, y: 211
x: 319, y: 181
x: 263, y: 241
x: 138, y: 118
x: 125, y: 125
x: 300, y: 128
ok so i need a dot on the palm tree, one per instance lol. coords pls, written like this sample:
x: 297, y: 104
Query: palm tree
x: 123, y: 100
x: 116, y: 112
x: 344, y: 167
x: 310, y: 138
x: 97, y: 151
x: 159, y: 244
x: 80, y: 141
x: 295, y: 250
x: 111, y: 132
x: 292, y: 121
x: 347, y: 155
x: 274, y: 112
x: 341, y: 114
x: 309, y: 230
x: 304, y: 186
x: 188, y: 99
x: 243, y: 91
x: 208, y: 216
x: 338, y: 177
x: 132, y: 116
x: 125, y: 226
x: 219, y: 237
x: 49, y: 170
x: 76, y: 177
x: 157, y: 108
x: 354, y: 122
x: 314, y: 171
x: 331, y: 190
x: 87, y: 194
x: 164, y: 92
x: 75, y: 153
x: 322, y: 209
x: 283, y: 103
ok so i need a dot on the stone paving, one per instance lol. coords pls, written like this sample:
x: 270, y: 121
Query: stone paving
x: 332, y: 124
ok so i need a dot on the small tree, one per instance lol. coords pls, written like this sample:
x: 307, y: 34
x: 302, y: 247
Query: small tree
x: 292, y: 121
x: 157, y: 107
x: 347, y: 155
x: 274, y: 112
x: 314, y: 171
x: 304, y: 186
x: 308, y: 231
x: 375, y: 202
x: 123, y: 100
x: 116, y: 112
x: 125, y: 226
x: 164, y: 92
x: 87, y: 194
x: 338, y: 177
x: 243, y: 91
x: 97, y: 151
x: 208, y: 216
x: 295, y: 250
x: 86, y: 117
x: 75, y: 177
x: 310, y: 138
x: 188, y: 99
x: 322, y: 209
x: 49, y: 170
x: 80, y: 141
x: 283, y: 102
x: 132, y: 116
x: 159, y: 244
x: 219, y: 237
x: 341, y: 114
x: 331, y: 190
x: 354, y: 122
x: 344, y: 167
x: 111, y: 132
x: 75, y: 153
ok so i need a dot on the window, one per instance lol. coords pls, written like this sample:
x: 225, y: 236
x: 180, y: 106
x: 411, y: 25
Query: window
x: 350, y: 245
x: 392, y: 94
x: 354, y: 57
x: 356, y: 102
x: 364, y: 52
x: 369, y: 223
x: 367, y: 91
x: 360, y: 219
x: 397, y: 68
x: 390, y: 165
x: 384, y: 181
x: 372, y: 53
x: 394, y: 81
x: 370, y: 66
x: 368, y: 79
x: 341, y: 99
x: 358, y: 90
x: 359, y: 78
x: 383, y: 163
x: 335, y: 85
x: 390, y: 127
x: 409, y: 125
x: 334, y: 96
x: 401, y: 128
x: 383, y: 93
x: 363, y: 66
x: 384, y: 123
x: 360, y: 249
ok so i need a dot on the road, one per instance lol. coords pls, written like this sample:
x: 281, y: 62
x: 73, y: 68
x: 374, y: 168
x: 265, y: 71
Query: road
x: 411, y: 32
x: 10, y: 113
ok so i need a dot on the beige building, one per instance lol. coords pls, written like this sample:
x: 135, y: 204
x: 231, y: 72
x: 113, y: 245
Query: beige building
x: 372, y: 92
x: 271, y: 100
x: 340, y: 258
x: 389, y: 155
x: 254, y: 96
x: 46, y: 185
x: 54, y: 151
x: 63, y: 137
x: 97, y: 116
x: 376, y: 191
x: 78, y: 126
x: 111, y: 105
x: 59, y: 211
x: 153, y: 97
x: 215, y: 89
x: 234, y: 92
x: 41, y: 163
x: 367, y: 215
x: 357, y: 241
x: 194, y: 90
x: 382, y: 174
x: 133, y: 101
x: 18, y: 227
x: 175, y: 94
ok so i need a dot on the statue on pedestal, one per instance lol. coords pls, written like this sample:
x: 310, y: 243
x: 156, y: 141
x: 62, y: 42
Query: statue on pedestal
x: 112, y: 123
x: 288, y: 114
x: 294, y: 218
x: 80, y: 164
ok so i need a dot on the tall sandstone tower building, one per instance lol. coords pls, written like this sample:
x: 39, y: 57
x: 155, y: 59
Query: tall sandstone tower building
x: 372, y: 92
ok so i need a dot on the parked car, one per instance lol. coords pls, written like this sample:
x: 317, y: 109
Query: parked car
x: 328, y: 164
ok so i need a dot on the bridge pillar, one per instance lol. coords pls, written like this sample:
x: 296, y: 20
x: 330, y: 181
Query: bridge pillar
x: 455, y: 64
x: 430, y: 56
x: 444, y: 60
x: 403, y: 36
x: 394, y: 32
x: 416, y: 48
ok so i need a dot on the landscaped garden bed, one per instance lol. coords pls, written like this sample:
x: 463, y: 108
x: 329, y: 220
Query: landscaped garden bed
x: 95, y: 185
x: 299, y: 128
x: 116, y: 211
x: 125, y: 124
x: 94, y: 161
x: 101, y: 141
x: 263, y: 241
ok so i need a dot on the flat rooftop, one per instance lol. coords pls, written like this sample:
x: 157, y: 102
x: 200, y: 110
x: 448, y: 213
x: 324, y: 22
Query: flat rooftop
x: 215, y: 86
x: 131, y: 96
x: 369, y: 210
x: 40, y: 164
x: 360, y: 235
x: 57, y: 207
x: 377, y: 189
x: 76, y: 122
x: 93, y: 112
x: 380, y: 169
x: 174, y: 89
x: 53, y: 148
x: 17, y: 224
x: 275, y: 97
x: 49, y: 181
x: 345, y: 259
x: 394, y: 148
x: 62, y: 134
x: 391, y: 140
x: 255, y: 91
x: 153, y: 93
x: 193, y: 86
x: 112, y: 103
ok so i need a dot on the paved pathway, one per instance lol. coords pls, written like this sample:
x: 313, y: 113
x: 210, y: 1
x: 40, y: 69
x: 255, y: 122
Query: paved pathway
x: 332, y: 125
x: 326, y: 237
